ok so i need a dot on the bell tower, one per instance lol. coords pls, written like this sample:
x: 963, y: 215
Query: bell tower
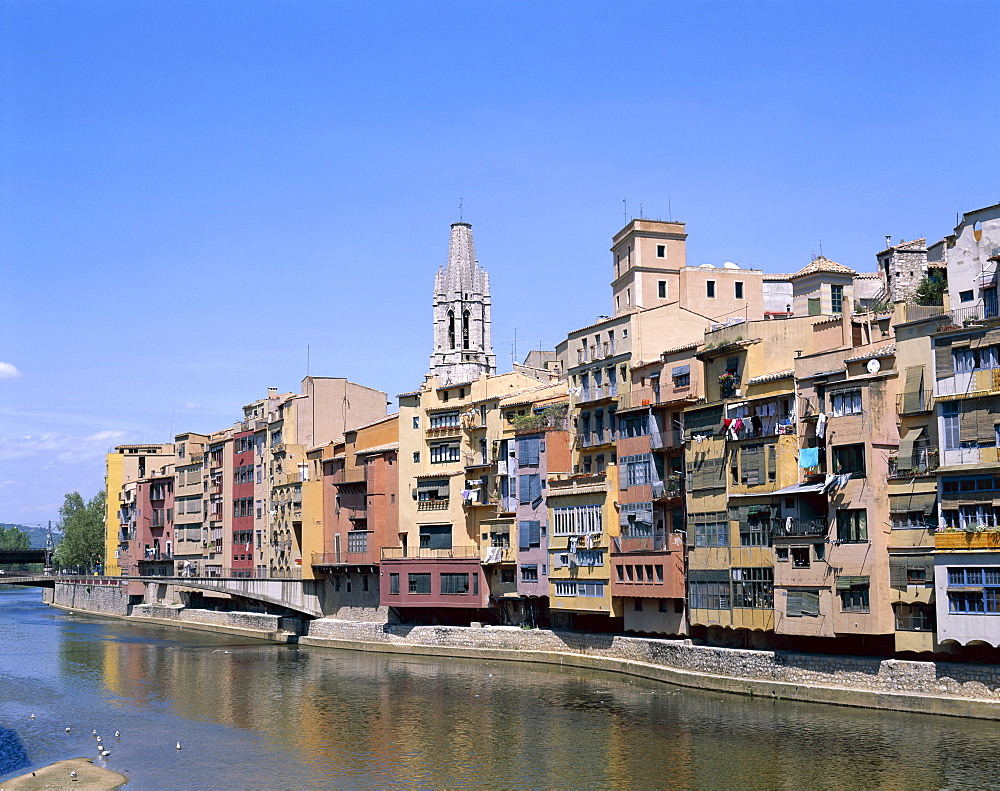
x: 462, y: 345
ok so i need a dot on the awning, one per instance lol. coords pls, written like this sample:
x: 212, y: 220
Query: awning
x: 918, y: 501
x: 846, y: 583
x: 904, y: 458
x: 801, y: 488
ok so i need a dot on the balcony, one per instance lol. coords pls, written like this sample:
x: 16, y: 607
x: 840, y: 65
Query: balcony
x: 924, y: 461
x: 669, y: 489
x: 923, y: 402
x: 598, y: 393
x: 341, y: 558
x: 800, y: 527
x: 626, y: 544
x: 962, y: 456
x: 581, y: 483
x: 473, y: 460
x: 432, y: 505
x: 497, y: 554
x: 443, y: 431
x: 961, y: 539
x: 592, y: 439
x: 963, y: 317
x: 671, y: 438
x: 398, y: 553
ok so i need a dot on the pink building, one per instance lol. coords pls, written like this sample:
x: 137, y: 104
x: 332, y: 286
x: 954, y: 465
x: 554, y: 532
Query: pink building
x: 241, y: 556
x: 153, y: 545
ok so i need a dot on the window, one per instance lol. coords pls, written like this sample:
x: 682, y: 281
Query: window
x: 681, y: 375
x: 836, y: 299
x: 965, y: 296
x: 800, y: 557
x: 529, y: 573
x: 738, y: 287
x: 852, y: 526
x: 853, y: 593
x: 709, y: 595
x: 710, y: 529
x: 976, y: 359
x: 528, y: 451
x: 755, y: 529
x: 799, y: 603
x: 576, y: 520
x: 416, y: 457
x: 710, y: 289
x: 845, y: 402
x: 753, y: 588
x: 637, y: 469
x: 357, y: 541
x: 435, y: 536
x: 416, y: 422
x: 661, y: 251
x: 444, y: 453
x: 444, y: 419
x: 661, y: 289
x: 849, y: 459
x: 419, y: 583
x: 454, y: 584
x: 529, y: 534
x: 950, y: 426
x: 529, y: 488
x: 914, y: 618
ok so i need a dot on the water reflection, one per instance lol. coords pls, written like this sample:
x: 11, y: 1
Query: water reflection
x: 259, y: 716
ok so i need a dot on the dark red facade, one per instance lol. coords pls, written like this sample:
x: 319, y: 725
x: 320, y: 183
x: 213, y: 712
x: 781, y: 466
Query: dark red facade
x: 241, y: 562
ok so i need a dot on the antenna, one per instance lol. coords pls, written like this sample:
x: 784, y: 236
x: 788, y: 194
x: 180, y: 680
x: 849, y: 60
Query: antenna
x: 820, y: 248
x: 625, y: 203
x: 460, y: 208
x: 307, y: 359
x: 670, y: 211
x: 640, y: 211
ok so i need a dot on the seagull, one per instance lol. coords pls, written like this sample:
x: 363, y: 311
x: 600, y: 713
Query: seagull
x: 93, y: 733
x: 32, y: 716
x: 178, y: 745
x: 105, y: 753
x: 67, y: 730
x: 117, y: 735
x: 98, y: 739
x: 72, y: 775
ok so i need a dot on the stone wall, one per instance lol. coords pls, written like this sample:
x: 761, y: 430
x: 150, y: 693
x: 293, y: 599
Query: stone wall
x: 939, y: 679
x: 108, y: 599
x: 238, y: 620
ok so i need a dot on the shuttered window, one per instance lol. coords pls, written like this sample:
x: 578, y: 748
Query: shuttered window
x: 913, y: 389
x: 800, y: 603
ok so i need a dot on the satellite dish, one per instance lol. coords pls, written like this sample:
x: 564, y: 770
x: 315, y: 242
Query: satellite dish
x: 874, y: 366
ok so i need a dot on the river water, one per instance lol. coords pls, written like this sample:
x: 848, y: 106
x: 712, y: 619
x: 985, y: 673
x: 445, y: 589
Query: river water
x: 251, y: 715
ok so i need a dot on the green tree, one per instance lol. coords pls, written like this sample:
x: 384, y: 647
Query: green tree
x: 82, y: 526
x: 12, y: 538
x: 931, y: 288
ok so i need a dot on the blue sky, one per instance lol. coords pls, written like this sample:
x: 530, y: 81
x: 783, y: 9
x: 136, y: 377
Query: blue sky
x: 191, y: 193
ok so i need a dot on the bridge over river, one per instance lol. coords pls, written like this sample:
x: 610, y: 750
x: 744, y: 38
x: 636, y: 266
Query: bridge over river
x: 304, y: 597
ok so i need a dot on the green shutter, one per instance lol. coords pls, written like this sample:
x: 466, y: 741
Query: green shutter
x: 810, y: 602
x: 913, y: 389
x: 793, y: 604
x: 846, y: 583
x: 943, y: 361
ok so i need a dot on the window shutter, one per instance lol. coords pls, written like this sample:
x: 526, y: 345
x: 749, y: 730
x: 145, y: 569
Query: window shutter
x: 772, y: 461
x: 944, y: 363
x: 897, y: 572
x: 523, y: 536
x: 904, y: 457
x: 814, y: 306
x: 534, y: 533
x: 988, y: 413
x: 534, y: 487
x: 793, y: 604
x: 913, y: 388
x: 846, y: 583
x: 810, y: 602
x: 524, y: 488
x: 968, y: 426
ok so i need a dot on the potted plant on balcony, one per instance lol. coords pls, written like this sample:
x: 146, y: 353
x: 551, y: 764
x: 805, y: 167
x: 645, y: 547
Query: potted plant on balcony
x: 727, y: 384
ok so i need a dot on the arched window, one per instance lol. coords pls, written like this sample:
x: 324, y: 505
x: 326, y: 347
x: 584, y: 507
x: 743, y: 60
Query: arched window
x: 451, y: 329
x: 465, y: 329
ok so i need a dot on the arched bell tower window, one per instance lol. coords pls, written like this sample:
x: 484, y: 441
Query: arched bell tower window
x: 451, y: 329
x: 465, y: 329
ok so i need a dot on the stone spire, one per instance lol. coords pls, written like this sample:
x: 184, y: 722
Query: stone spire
x: 462, y: 346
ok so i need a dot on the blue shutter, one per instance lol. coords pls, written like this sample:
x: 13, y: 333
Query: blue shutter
x: 535, y: 487
x: 524, y: 488
x: 524, y: 535
x: 534, y: 534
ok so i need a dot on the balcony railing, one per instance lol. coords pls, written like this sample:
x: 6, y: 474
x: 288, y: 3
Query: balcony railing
x: 924, y: 461
x: 589, y: 439
x: 444, y: 431
x: 432, y: 505
x: 638, y: 543
x: 475, y: 460
x: 598, y: 392
x: 398, y: 553
x: 924, y: 402
x: 338, y: 558
x: 671, y: 438
x: 801, y: 527
x: 667, y: 490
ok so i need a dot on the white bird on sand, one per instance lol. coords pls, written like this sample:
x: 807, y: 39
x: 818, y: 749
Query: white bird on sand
x: 72, y: 775
x: 178, y: 745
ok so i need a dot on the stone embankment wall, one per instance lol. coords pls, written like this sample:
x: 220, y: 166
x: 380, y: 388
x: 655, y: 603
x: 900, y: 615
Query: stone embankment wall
x: 932, y: 687
x: 236, y: 620
x: 98, y: 596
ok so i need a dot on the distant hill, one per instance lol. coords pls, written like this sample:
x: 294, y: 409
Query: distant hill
x: 38, y: 535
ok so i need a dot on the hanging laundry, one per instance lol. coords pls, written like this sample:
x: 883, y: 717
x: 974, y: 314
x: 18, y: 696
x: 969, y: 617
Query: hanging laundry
x: 808, y: 457
x: 738, y: 425
x: 590, y: 541
x: 821, y: 425
x: 756, y: 425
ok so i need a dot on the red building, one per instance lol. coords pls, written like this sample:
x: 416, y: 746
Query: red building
x: 241, y: 561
